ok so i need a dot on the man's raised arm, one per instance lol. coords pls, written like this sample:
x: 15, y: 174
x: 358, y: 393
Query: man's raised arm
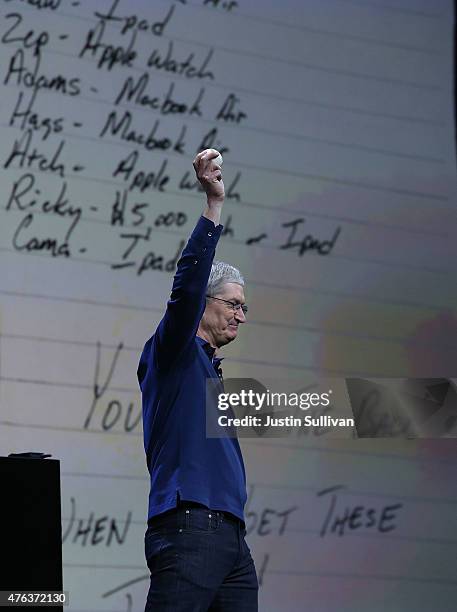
x: 187, y: 301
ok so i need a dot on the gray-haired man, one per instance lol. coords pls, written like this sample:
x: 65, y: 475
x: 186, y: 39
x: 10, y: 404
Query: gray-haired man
x: 195, y: 546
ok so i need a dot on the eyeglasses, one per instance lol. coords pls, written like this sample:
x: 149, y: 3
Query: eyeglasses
x: 233, y: 305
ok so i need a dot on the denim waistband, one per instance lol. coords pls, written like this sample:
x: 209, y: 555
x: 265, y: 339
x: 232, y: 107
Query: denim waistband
x: 181, y: 508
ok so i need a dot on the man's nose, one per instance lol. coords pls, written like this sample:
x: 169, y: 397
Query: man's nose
x: 240, y: 316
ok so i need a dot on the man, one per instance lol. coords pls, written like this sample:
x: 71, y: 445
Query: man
x: 195, y: 546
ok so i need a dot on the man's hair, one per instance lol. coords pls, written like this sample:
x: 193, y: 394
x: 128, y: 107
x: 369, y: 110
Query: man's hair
x: 220, y: 274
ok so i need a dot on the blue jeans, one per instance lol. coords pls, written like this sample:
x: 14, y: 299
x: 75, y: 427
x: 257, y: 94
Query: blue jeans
x: 199, y: 562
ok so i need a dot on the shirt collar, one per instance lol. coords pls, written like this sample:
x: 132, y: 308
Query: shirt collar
x: 209, y: 350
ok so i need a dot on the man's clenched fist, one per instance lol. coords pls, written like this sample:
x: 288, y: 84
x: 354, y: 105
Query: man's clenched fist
x: 209, y: 174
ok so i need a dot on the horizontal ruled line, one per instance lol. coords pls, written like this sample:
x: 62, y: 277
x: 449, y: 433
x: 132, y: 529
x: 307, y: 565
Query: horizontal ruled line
x: 446, y: 272
x: 334, y: 34
x: 288, y: 135
x: 245, y: 360
x: 292, y: 573
x: 73, y: 300
x: 64, y: 385
x: 306, y: 488
x: 325, y: 449
x: 300, y: 101
x: 312, y: 67
x: 108, y: 476
x: 315, y: 291
x: 362, y: 454
x: 69, y: 429
x: 367, y: 493
x: 105, y: 566
x: 315, y: 177
x: 365, y: 298
x: 322, y: 332
x: 395, y: 9
x: 361, y: 76
x: 351, y: 576
x: 119, y: 519
x: 326, y: 574
x: 380, y: 537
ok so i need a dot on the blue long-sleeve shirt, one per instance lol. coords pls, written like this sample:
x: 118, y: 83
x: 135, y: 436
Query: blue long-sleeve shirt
x: 174, y: 366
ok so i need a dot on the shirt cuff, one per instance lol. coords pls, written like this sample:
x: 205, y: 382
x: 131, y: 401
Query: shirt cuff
x: 206, y: 232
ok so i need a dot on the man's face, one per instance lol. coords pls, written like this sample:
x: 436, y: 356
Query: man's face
x: 219, y: 322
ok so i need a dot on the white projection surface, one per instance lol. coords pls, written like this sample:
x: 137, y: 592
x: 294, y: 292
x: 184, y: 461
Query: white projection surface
x: 335, y: 120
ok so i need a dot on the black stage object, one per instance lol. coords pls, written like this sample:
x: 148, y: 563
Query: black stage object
x: 31, y: 538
